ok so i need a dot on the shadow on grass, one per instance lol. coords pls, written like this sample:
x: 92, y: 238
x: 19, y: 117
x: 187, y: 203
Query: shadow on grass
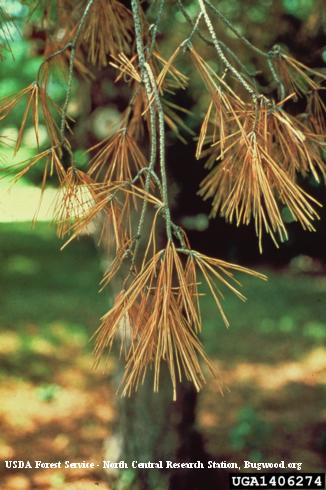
x: 55, y: 406
x: 40, y: 284
x: 282, y: 320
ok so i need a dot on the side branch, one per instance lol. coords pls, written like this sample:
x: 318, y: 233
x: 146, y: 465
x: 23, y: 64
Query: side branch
x: 152, y: 118
x: 73, y: 46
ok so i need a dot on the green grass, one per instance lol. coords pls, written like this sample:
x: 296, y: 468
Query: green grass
x: 40, y: 284
x: 282, y: 319
x: 49, y: 300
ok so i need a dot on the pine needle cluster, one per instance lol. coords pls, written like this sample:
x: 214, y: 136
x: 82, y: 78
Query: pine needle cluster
x: 255, y: 152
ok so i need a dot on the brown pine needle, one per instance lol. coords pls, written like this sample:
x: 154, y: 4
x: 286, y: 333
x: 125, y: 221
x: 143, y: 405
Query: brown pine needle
x: 108, y: 30
x: 254, y: 157
x: 298, y: 77
x: 73, y: 201
x: 49, y: 158
x: 117, y: 158
x: 110, y: 206
x: 248, y: 184
x: 316, y: 108
x: 160, y: 315
x: 38, y: 104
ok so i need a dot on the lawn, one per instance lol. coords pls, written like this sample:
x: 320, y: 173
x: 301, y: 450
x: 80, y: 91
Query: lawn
x: 53, y: 403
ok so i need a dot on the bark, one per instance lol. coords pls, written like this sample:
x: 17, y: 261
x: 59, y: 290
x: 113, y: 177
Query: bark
x: 154, y: 428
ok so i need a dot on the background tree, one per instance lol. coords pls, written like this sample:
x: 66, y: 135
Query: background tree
x: 256, y: 146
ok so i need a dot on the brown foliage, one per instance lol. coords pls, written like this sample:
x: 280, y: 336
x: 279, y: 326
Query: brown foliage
x: 254, y: 149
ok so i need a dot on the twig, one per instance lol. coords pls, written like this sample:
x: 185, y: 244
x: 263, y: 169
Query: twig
x: 73, y: 46
x: 161, y: 128
x: 156, y: 26
x: 191, y: 22
x: 153, y: 129
x: 269, y: 55
x: 152, y: 174
x: 222, y: 56
x: 202, y: 36
x: 229, y: 24
x: 51, y: 56
x: 195, y: 28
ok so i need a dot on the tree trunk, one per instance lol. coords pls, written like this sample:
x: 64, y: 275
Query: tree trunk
x: 153, y: 428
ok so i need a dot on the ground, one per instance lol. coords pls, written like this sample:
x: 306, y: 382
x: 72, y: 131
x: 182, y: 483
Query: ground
x: 56, y: 406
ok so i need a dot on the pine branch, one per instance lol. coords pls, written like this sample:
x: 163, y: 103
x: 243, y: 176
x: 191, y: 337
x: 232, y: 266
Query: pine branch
x: 73, y: 46
x: 153, y: 128
x: 222, y: 56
